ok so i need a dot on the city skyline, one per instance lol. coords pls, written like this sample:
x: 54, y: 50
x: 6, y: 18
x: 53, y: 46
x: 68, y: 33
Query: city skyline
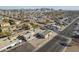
x: 32, y: 7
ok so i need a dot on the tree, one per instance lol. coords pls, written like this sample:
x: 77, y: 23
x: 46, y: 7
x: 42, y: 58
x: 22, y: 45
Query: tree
x: 25, y: 26
x: 3, y: 34
x: 11, y: 22
x: 47, y: 21
x: 34, y: 25
x: 0, y: 30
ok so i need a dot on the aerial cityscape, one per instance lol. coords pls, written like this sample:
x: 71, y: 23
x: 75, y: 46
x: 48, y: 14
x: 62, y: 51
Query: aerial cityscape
x: 39, y: 29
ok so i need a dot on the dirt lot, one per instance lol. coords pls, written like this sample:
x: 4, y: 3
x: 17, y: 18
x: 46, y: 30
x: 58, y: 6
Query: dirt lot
x: 74, y: 47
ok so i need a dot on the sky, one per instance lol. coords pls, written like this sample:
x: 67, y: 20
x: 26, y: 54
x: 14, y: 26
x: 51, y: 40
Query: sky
x: 54, y: 7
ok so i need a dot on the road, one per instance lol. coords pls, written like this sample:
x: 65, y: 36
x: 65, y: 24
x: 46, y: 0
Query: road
x: 68, y: 30
x: 53, y: 45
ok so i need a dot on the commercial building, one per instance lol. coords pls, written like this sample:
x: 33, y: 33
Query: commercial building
x: 45, y: 34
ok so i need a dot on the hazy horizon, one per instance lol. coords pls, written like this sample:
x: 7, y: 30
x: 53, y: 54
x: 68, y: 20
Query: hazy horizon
x: 31, y: 7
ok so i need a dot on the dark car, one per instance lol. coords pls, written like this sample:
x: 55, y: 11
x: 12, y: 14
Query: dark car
x: 76, y: 23
x: 75, y: 34
x: 63, y: 44
x: 21, y: 38
x: 39, y: 35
